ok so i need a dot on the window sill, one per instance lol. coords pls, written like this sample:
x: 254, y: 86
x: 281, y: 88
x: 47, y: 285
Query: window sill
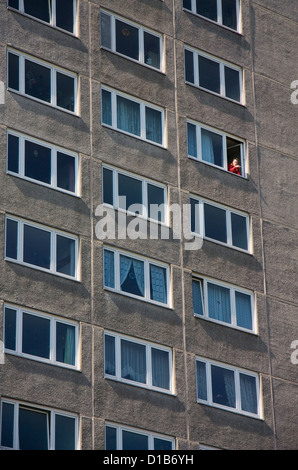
x: 44, y: 185
x: 42, y: 360
x: 239, y: 103
x: 118, y: 54
x: 43, y: 270
x: 140, y: 385
x: 150, y: 142
x: 246, y: 252
x: 135, y: 297
x: 137, y: 216
x: 243, y: 177
x: 224, y: 324
x: 235, y: 31
x: 231, y: 410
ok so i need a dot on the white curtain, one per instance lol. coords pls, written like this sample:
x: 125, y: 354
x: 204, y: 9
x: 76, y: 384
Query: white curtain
x: 134, y: 269
x: 128, y: 116
x: 133, y: 361
x: 248, y: 393
x: 243, y: 310
x: 219, y: 303
x: 160, y: 368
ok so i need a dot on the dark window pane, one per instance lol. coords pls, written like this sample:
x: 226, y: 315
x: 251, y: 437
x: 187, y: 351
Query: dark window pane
x: 107, y: 176
x: 13, y: 153
x: 158, y: 284
x: 162, y: 444
x: 11, y: 239
x: 13, y: 4
x: 212, y: 150
x: 111, y: 438
x: 156, y: 198
x: 189, y: 66
x: 239, y: 231
x: 232, y: 84
x: 66, y: 256
x: 207, y: 8
x: 36, y: 336
x: 134, y: 441
x: 128, y: 116
x: 187, y: 4
x: 38, y: 8
x: 209, y: 76
x: 109, y: 274
x: 160, y: 368
x: 127, y: 40
x: 192, y: 140
x: 10, y: 328
x: 37, y: 81
x: 33, y: 430
x: 65, y: 92
x: 131, y: 189
x: 65, y: 343
x: 7, y: 420
x: 66, y: 172
x: 65, y: 15
x: 65, y: 438
x: 37, y: 247
x: 153, y: 125
x: 110, y: 355
x: 223, y: 386
x: 106, y: 107
x: 132, y: 276
x: 248, y: 391
x: 201, y: 380
x: 13, y: 71
x: 151, y: 50
x: 105, y: 30
x: 229, y: 14
x: 243, y: 310
x: 194, y: 216
x: 215, y: 223
x: 37, y: 162
x: 133, y: 361
x: 197, y: 297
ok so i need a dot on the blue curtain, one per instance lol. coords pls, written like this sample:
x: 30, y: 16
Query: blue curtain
x: 128, y: 116
x: 158, y: 284
x: 133, y: 361
x: 109, y: 274
x: 249, y: 401
x: 197, y: 297
x: 219, y: 303
x: 153, y: 125
x: 160, y: 368
x: 243, y: 310
x: 207, y: 146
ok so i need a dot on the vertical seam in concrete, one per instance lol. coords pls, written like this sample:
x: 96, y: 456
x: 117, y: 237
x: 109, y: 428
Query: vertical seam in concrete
x: 261, y: 215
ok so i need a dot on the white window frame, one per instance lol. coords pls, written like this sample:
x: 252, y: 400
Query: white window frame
x: 53, y: 71
x: 232, y: 289
x: 228, y: 211
x: 52, y: 340
x: 222, y: 63
x: 145, y: 182
x: 147, y: 262
x: 237, y: 371
x: 148, y: 345
x: 53, y: 233
x: 54, y: 150
x: 141, y: 30
x: 143, y: 104
x: 224, y: 136
x: 219, y: 15
x: 52, y: 22
x: 151, y: 436
x: 50, y: 422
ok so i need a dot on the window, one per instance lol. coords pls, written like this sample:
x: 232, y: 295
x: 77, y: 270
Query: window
x: 40, y: 336
x: 59, y: 13
x: 131, y: 40
x: 137, y: 362
x: 24, y: 427
x: 227, y: 387
x: 223, y: 303
x: 137, y: 277
x: 223, y: 12
x: 220, y: 224
x: 215, y: 148
x: 214, y: 75
x: 134, y: 194
x: 41, y: 162
x: 132, y: 116
x: 41, y: 247
x: 42, y: 81
x: 127, y: 438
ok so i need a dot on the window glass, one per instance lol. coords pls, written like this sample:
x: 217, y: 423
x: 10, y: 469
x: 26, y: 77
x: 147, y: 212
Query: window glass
x: 65, y: 343
x: 207, y: 8
x: 7, y: 420
x: 134, y: 441
x: 10, y: 328
x: 219, y: 303
x: 189, y: 66
x: 234, y: 148
x: 127, y: 40
x: 65, y: 15
x: 13, y: 71
x: 133, y: 361
x: 201, y: 380
x: 212, y: 149
x: 223, y: 386
x: 64, y: 433
x: 37, y: 247
x: 158, y: 283
x: 110, y: 356
x: 106, y: 108
x: 194, y: 215
x: 151, y: 50
x: 131, y: 189
x: 109, y: 274
x: 162, y: 444
x: 105, y: 30
x: 229, y: 14
x: 36, y: 336
x: 38, y: 162
x: 38, y: 8
x: 153, y: 125
x: 128, y: 116
x: 155, y: 196
x: 37, y: 81
x: 215, y: 223
x: 248, y: 392
x: 66, y: 170
x: 108, y: 196
x: 192, y: 140
x: 66, y: 259
x: 187, y: 4
x: 197, y: 297
x: 209, y: 74
x: 160, y: 368
x: 232, y: 83
x: 132, y: 275
x: 11, y: 242
x: 110, y: 438
x: 243, y: 310
x: 33, y: 430
x: 13, y: 3
x: 239, y: 231
x: 65, y: 92
x: 13, y: 153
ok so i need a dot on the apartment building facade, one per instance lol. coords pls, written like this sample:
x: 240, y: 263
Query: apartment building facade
x: 148, y: 280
